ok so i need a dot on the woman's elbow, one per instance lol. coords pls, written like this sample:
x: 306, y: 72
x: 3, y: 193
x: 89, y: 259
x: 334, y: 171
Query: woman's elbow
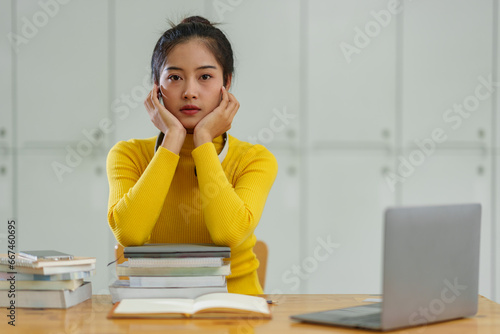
x: 124, y: 237
x: 230, y: 238
x: 127, y: 240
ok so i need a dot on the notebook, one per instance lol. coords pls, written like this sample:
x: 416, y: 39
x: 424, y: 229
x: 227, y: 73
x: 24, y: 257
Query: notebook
x: 430, y: 274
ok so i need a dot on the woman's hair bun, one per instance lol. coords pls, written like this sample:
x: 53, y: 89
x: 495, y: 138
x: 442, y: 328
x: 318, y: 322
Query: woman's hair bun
x: 198, y: 19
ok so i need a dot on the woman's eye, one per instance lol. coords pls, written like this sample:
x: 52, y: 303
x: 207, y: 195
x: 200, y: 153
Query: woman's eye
x: 174, y: 77
x: 206, y: 76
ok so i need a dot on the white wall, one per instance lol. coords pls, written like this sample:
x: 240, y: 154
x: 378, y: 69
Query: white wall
x: 358, y: 86
x: 495, y: 129
x: 6, y: 133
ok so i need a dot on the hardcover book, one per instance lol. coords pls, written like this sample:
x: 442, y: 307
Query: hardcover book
x: 55, y: 277
x: 177, y: 250
x: 23, y: 262
x: 48, y: 270
x: 124, y: 269
x: 121, y: 289
x: 177, y: 281
x: 48, y: 298
x: 42, y: 285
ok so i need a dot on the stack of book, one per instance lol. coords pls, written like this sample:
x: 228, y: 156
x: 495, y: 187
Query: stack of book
x: 45, y: 283
x: 171, y: 271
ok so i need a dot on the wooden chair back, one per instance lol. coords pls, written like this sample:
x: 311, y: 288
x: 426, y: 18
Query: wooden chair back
x: 261, y: 251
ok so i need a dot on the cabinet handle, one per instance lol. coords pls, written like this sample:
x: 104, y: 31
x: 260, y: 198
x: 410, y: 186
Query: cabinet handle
x: 480, y: 170
x: 386, y: 133
x: 481, y: 133
x: 3, y: 170
x: 98, y: 134
x: 98, y: 171
x: 3, y: 132
x: 385, y: 170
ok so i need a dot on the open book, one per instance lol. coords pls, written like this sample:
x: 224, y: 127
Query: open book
x: 213, y: 305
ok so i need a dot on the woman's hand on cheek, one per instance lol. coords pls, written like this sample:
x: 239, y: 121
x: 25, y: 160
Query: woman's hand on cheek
x: 159, y: 115
x: 165, y: 121
x: 218, y: 121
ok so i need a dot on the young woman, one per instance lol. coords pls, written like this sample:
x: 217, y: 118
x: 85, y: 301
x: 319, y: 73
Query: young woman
x: 193, y: 183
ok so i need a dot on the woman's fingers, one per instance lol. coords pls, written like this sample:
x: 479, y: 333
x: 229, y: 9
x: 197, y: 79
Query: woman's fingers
x: 229, y: 104
x: 157, y: 113
x: 148, y: 103
x: 220, y: 119
x: 225, y: 99
x: 154, y: 97
x: 233, y: 106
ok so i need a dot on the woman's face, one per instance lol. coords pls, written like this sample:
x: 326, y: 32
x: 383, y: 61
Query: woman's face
x: 191, y: 82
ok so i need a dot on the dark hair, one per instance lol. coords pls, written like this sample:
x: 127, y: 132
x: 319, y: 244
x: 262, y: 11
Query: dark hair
x: 190, y: 28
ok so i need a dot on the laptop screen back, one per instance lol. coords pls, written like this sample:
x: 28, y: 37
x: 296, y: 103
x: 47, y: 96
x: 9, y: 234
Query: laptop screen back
x: 431, y: 264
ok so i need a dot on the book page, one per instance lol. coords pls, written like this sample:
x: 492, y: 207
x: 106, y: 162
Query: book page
x: 231, y: 301
x: 157, y: 305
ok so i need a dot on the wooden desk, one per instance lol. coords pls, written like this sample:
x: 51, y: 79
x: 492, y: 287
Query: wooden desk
x: 90, y: 317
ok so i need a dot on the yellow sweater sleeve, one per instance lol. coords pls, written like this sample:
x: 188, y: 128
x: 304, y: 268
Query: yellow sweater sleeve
x: 232, y: 214
x: 136, y: 196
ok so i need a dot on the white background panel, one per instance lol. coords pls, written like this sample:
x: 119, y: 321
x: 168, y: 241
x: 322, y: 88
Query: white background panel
x: 62, y: 71
x: 347, y: 194
x: 69, y: 216
x: 279, y: 225
x: 350, y: 98
x: 6, y: 191
x: 447, y: 178
x: 446, y: 47
x: 6, y: 50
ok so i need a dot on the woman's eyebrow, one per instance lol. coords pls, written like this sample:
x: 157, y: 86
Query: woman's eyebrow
x: 173, y: 68
x: 207, y: 66
x: 199, y: 68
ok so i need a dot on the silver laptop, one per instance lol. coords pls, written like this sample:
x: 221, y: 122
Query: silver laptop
x: 431, y: 270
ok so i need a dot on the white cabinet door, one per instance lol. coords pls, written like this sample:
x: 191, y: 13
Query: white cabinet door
x: 265, y: 41
x: 139, y: 25
x: 447, y: 70
x: 6, y: 77
x: 62, y: 71
x: 496, y: 226
x: 496, y: 204
x: 69, y: 216
x: 457, y: 177
x: 346, y: 197
x: 280, y: 226
x: 496, y: 125
x: 6, y: 203
x: 350, y: 71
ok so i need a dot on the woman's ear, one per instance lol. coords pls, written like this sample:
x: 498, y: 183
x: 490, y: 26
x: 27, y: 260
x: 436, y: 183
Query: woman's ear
x: 228, y: 81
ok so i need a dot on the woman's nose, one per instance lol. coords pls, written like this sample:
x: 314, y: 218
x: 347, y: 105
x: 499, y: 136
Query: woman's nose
x: 190, y: 91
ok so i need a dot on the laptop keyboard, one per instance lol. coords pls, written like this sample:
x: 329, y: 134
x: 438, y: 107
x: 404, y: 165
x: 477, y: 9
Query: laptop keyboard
x: 365, y: 316
x: 362, y: 316
x: 367, y: 320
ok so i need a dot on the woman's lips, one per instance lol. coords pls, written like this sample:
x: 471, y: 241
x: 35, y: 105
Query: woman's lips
x: 190, y: 109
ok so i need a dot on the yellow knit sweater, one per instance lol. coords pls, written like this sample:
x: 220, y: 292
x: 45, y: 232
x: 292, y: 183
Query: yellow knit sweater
x: 157, y: 198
